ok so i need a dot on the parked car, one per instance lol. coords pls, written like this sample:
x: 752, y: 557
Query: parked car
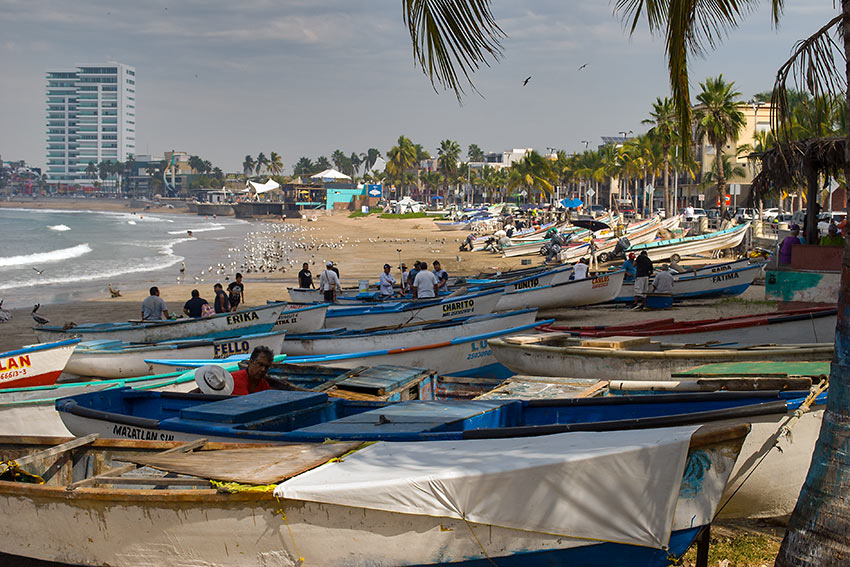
x: 698, y: 214
x: 713, y: 213
x: 597, y: 210
x: 826, y: 218
x: 768, y: 215
x: 745, y: 214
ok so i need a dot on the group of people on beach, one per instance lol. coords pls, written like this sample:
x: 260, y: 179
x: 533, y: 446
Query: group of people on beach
x: 639, y: 269
x: 154, y: 307
x: 834, y: 237
x: 420, y: 281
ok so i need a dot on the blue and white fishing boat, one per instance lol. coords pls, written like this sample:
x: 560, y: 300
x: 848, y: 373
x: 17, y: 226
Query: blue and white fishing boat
x: 703, y: 285
x: 340, y: 341
x: 246, y: 321
x: 118, y: 359
x: 689, y: 245
x: 408, y: 312
x: 461, y: 356
x: 531, y: 502
x: 297, y: 318
x: 600, y: 288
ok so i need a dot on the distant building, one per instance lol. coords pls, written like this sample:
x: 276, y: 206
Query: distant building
x: 91, y: 118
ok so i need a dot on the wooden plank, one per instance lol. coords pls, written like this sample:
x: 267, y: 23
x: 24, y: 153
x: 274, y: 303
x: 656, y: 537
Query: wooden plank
x: 156, y: 481
x: 57, y: 450
x: 593, y: 390
x: 118, y: 471
x: 616, y: 342
x: 266, y: 465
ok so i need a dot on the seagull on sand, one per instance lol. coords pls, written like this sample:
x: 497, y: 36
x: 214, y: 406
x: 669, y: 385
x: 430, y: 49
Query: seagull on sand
x: 525, y: 82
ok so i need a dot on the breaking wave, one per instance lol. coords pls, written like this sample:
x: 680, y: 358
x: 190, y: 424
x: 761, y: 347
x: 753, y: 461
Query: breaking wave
x: 46, y: 257
x: 59, y: 227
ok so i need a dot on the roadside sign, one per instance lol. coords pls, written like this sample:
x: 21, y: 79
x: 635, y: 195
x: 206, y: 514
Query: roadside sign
x: 701, y: 197
x: 727, y: 199
x: 590, y: 193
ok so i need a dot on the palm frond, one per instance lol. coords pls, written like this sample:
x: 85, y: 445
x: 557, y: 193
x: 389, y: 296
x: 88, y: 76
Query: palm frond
x: 811, y: 69
x: 452, y: 39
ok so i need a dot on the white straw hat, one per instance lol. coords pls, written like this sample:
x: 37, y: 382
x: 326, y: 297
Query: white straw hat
x: 212, y: 379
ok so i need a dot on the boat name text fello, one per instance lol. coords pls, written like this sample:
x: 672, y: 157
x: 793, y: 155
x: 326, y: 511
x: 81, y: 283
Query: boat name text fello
x: 14, y: 367
x: 244, y: 317
x: 140, y: 434
x: 229, y: 349
x: 526, y: 284
x: 458, y: 308
x: 725, y: 277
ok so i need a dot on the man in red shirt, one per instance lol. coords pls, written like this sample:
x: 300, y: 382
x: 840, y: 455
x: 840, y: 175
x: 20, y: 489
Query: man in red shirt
x: 253, y: 378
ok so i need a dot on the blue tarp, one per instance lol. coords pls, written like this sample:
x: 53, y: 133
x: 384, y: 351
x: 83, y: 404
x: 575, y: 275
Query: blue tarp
x: 572, y: 203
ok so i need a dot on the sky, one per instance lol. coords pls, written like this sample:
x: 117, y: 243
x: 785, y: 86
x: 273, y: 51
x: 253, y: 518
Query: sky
x: 303, y: 78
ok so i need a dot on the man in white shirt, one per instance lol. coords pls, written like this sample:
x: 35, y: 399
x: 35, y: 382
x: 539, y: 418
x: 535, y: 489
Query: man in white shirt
x: 580, y: 269
x: 663, y: 281
x: 425, y: 284
x: 386, y: 282
x: 329, y: 283
x: 689, y: 212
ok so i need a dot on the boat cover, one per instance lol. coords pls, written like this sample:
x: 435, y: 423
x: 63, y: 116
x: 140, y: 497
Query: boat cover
x: 614, y: 486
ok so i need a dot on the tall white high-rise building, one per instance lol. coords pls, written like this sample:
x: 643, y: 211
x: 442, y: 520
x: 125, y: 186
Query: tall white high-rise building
x: 91, y: 118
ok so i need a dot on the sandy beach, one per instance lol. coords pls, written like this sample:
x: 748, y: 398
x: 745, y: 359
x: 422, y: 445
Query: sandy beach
x: 360, y: 246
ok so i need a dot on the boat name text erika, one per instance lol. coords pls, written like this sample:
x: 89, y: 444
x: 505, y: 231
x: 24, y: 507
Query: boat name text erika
x: 231, y: 348
x: 244, y: 317
x: 139, y: 434
x: 458, y: 308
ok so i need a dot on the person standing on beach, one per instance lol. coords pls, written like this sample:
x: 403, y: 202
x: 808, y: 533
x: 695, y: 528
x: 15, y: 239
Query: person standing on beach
x: 580, y: 269
x: 153, y: 306
x: 386, y: 281
x: 305, y: 278
x: 222, y: 303
x: 425, y: 284
x: 643, y: 269
x: 237, y: 292
x: 405, y: 274
x: 194, y: 307
x: 629, y: 266
x: 329, y: 283
x: 411, y: 275
x: 442, y: 277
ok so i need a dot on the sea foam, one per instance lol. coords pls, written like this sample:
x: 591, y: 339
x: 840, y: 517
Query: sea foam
x: 45, y: 257
x: 59, y: 227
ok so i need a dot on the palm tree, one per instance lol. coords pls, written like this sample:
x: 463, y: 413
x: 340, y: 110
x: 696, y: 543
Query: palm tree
x: 196, y: 163
x: 533, y: 172
x: 304, y: 166
x: 321, y: 164
x: 91, y: 170
x: 665, y: 131
x: 338, y: 158
x: 262, y: 162
x: 718, y: 120
x: 449, y: 154
x: 474, y: 153
x: 355, y: 162
x: 248, y: 165
x: 401, y: 158
x: 275, y: 163
x: 369, y: 158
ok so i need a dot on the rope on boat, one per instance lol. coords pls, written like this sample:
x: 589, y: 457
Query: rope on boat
x: 784, y: 430
x: 11, y: 471
x: 478, y: 541
x: 291, y: 535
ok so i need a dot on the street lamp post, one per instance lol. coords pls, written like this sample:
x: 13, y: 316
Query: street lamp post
x: 756, y: 104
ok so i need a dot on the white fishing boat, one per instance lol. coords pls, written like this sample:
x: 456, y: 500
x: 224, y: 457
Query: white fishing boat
x: 572, y: 293
x: 631, y: 358
x: 246, y: 321
x: 451, y: 226
x: 531, y: 501
x: 397, y: 313
x: 117, y: 359
x: 340, y: 341
x: 298, y: 318
x: 35, y: 365
x: 690, y: 245
x: 690, y: 285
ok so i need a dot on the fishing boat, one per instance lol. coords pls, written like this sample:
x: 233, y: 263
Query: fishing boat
x: 600, y: 288
x: 460, y: 356
x: 811, y: 325
x: 298, y: 318
x: 339, y: 341
x: 690, y: 245
x: 246, y: 321
x: 505, y: 501
x: 382, y: 383
x: 452, y: 226
x: 694, y: 286
x: 407, y: 312
x: 632, y: 358
x: 117, y: 359
x: 35, y: 365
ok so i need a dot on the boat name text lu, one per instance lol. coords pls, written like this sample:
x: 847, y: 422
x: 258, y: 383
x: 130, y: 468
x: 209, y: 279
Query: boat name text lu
x: 479, y: 350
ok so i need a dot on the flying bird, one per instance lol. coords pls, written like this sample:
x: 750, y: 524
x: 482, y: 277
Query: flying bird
x: 38, y: 271
x: 525, y: 82
x: 582, y: 67
x: 38, y: 318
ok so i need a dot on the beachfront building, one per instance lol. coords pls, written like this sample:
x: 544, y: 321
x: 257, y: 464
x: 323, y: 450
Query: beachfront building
x: 91, y: 118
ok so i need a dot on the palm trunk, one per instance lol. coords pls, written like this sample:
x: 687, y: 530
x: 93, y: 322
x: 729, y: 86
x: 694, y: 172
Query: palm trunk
x: 819, y: 528
x: 667, y: 208
x: 721, y: 179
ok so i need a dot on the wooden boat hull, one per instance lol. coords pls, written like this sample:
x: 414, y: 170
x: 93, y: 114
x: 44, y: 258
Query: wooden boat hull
x: 686, y: 246
x: 128, y: 361
x: 301, y: 318
x: 588, y: 291
x: 721, y: 284
x: 606, y: 363
x: 36, y: 365
x: 219, y: 529
x: 307, y: 345
x: 248, y: 321
x: 453, y: 226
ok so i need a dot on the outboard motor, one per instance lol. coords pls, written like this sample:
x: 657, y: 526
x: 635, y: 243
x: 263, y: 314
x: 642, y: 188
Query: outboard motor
x: 467, y: 243
x: 619, y: 251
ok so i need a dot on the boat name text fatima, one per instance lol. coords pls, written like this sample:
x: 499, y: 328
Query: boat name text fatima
x: 229, y: 349
x: 242, y: 317
x: 458, y: 308
x: 601, y: 281
x: 14, y: 367
x: 526, y: 284
x: 140, y: 434
x: 725, y: 277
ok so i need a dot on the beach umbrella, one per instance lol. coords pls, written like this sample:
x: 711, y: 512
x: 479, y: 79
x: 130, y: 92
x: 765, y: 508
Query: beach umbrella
x: 572, y: 203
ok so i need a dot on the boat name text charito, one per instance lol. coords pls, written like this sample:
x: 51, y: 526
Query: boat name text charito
x: 244, y: 317
x: 601, y: 281
x: 139, y: 434
x: 725, y: 277
x: 231, y: 348
x: 458, y: 308
x: 526, y: 284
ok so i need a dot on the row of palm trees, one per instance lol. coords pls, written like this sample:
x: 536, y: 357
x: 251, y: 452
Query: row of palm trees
x: 271, y: 164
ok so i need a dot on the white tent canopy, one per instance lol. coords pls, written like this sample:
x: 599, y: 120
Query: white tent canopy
x: 260, y: 188
x: 330, y: 174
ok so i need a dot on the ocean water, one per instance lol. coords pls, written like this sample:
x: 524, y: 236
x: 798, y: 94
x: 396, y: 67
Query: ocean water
x: 53, y: 256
